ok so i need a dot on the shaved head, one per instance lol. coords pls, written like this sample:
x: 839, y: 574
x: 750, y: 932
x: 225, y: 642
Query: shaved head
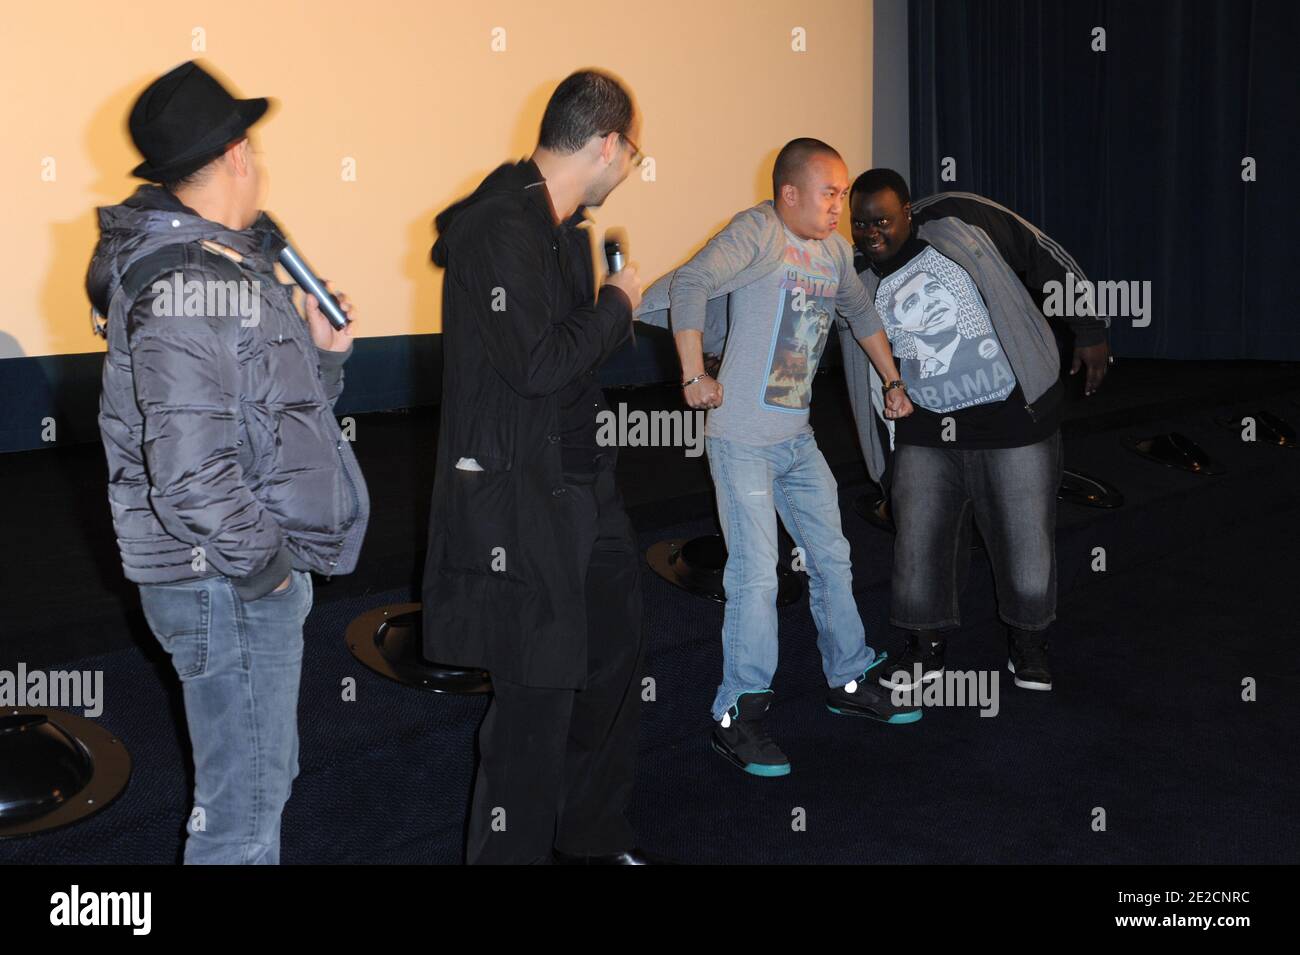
x: 792, y: 162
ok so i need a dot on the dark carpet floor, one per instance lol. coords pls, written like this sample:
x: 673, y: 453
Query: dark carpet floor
x: 1146, y: 722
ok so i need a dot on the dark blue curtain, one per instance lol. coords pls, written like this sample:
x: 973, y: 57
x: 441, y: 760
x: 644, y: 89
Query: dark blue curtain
x: 1132, y: 157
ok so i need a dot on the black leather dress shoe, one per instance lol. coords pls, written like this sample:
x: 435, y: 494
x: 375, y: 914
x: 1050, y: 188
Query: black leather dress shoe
x: 627, y: 857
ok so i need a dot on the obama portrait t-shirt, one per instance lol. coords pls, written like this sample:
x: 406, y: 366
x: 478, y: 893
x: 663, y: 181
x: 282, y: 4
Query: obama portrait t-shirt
x: 949, y: 356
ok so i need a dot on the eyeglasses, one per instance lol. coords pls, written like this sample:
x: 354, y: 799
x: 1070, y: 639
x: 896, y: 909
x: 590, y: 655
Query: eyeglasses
x: 637, y: 157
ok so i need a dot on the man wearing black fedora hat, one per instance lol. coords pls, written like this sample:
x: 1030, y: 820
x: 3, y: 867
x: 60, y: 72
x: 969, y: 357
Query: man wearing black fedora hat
x: 229, y: 481
x: 185, y: 120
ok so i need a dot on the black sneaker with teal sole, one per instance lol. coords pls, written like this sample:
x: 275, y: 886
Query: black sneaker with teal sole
x: 739, y: 737
x: 860, y: 698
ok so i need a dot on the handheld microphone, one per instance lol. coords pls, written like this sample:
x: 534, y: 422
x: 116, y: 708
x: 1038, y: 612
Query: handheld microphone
x: 613, y: 255
x: 614, y: 262
x: 301, y: 273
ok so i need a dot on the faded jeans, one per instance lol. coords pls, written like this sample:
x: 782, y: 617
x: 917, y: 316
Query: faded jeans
x: 753, y: 485
x: 239, y: 664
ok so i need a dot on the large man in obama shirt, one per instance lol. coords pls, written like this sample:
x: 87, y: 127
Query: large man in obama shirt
x: 956, y: 280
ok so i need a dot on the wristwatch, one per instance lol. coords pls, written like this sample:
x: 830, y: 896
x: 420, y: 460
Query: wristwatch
x: 896, y: 383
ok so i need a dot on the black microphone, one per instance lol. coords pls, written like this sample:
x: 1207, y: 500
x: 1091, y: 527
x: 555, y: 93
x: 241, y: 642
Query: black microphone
x: 614, y: 262
x: 613, y: 255
x: 301, y: 272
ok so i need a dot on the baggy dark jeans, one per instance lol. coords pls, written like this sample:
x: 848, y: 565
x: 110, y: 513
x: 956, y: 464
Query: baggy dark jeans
x: 1011, y: 493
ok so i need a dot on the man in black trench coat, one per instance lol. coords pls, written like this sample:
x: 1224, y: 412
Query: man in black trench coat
x: 532, y: 570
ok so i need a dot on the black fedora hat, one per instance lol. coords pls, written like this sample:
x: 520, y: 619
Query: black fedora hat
x: 185, y: 117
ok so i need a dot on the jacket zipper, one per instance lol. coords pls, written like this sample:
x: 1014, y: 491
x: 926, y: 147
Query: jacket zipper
x: 356, y: 502
x: 972, y: 247
x: 352, y: 487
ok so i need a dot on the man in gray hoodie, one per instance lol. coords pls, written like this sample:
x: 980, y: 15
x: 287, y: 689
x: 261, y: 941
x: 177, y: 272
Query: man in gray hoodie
x: 787, y: 272
x: 953, y: 277
x: 229, y: 480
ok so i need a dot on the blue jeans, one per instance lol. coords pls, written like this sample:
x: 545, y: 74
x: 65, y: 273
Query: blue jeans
x: 1011, y: 493
x: 239, y: 665
x: 754, y: 485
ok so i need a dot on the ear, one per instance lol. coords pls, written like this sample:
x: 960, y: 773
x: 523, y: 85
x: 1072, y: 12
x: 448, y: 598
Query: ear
x: 609, y: 147
x: 239, y: 155
x: 790, y: 194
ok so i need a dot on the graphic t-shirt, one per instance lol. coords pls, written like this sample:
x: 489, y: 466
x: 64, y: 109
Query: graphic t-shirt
x: 779, y: 326
x: 947, y: 351
x: 959, y: 379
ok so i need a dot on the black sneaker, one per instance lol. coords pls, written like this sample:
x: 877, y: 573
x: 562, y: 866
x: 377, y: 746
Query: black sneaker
x: 916, y: 665
x: 739, y: 737
x: 858, y: 698
x: 1027, y: 659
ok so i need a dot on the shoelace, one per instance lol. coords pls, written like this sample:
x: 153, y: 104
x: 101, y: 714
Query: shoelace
x: 757, y: 734
x: 1033, y: 655
x: 760, y: 738
x: 912, y: 654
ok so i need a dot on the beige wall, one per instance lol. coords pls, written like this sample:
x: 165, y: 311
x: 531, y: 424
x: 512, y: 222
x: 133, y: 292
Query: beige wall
x: 415, y: 94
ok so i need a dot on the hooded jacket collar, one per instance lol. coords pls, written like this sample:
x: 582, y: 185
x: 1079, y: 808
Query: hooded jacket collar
x: 522, y: 179
x: 153, y: 211
x: 152, y: 218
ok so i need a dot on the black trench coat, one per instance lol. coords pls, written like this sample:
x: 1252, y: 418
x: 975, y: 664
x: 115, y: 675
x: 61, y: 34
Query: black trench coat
x: 502, y: 587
